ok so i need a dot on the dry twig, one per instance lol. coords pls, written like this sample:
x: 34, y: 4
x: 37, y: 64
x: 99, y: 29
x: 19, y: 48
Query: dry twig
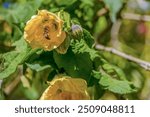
x: 133, y: 16
x: 142, y: 63
x: 102, y: 12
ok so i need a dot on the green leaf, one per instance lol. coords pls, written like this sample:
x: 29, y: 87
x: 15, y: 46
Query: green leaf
x: 9, y: 56
x: 12, y: 59
x: 100, y: 25
x: 22, y: 12
x: 80, y: 47
x: 13, y: 65
x: 75, y: 65
x: 65, y: 2
x: 88, y: 2
x: 96, y: 74
x: 88, y: 38
x: 66, y: 18
x: 114, y: 6
x: 114, y: 71
x: 116, y: 86
x: 77, y: 62
x: 20, y: 45
x: 38, y: 67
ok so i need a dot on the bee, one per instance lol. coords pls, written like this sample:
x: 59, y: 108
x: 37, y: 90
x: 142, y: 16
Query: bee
x: 46, y: 32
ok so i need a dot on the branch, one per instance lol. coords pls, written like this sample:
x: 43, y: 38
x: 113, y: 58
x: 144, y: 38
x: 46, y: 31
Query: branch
x: 133, y: 16
x: 115, y: 33
x: 102, y: 12
x: 143, y: 64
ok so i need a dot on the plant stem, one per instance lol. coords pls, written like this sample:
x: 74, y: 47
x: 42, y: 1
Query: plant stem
x: 142, y: 63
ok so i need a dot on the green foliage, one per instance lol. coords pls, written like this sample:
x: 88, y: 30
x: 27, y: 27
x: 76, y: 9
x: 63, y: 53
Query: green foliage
x: 114, y: 70
x: 13, y: 59
x: 117, y: 86
x: 73, y: 64
x: 38, y: 67
x: 13, y: 14
x: 11, y: 68
x: 113, y: 79
x: 75, y: 57
x: 65, y: 2
x: 101, y: 25
x: 81, y: 47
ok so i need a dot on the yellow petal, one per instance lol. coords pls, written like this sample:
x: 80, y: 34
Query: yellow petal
x: 66, y: 88
x: 44, y: 30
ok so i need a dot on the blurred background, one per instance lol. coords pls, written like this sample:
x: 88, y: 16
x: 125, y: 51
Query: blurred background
x: 120, y: 24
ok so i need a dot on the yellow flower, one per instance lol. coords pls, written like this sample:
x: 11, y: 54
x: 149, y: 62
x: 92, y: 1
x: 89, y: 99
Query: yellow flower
x: 44, y: 30
x: 66, y: 88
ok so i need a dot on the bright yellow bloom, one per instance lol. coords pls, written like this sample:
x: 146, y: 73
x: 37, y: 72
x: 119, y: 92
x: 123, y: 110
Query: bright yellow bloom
x: 44, y: 30
x: 66, y: 88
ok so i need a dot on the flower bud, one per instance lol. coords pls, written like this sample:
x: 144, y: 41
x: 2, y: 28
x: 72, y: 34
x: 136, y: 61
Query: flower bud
x: 76, y: 31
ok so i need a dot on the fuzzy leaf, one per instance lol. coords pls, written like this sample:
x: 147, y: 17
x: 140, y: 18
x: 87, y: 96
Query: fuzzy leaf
x: 21, y: 12
x: 88, y: 38
x: 16, y: 57
x: 38, y: 67
x: 80, y: 46
x: 75, y: 65
x: 114, y: 71
x: 96, y: 74
x: 13, y: 65
x: 77, y: 62
x: 116, y: 86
